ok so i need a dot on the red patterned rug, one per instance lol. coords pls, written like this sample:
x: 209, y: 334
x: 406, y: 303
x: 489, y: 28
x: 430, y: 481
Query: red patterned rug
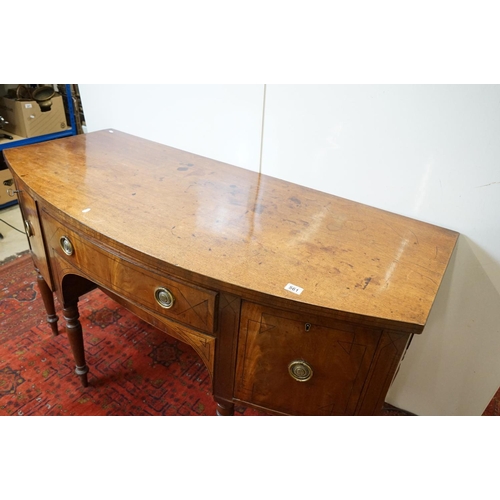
x: 134, y: 368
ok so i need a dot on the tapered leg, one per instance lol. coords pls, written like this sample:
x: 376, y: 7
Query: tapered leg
x: 225, y: 409
x: 75, y: 335
x: 48, y: 302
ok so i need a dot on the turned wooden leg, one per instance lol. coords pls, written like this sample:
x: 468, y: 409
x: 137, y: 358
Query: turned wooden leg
x: 48, y: 302
x: 75, y: 335
x: 225, y: 409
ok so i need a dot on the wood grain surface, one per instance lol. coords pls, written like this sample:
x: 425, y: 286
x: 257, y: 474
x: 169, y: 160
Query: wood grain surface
x: 240, y: 232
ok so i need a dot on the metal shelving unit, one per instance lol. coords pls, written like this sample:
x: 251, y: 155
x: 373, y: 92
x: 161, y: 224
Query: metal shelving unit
x: 71, y: 130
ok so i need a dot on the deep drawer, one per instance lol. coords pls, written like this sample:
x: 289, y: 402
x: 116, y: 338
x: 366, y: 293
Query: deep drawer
x: 300, y: 364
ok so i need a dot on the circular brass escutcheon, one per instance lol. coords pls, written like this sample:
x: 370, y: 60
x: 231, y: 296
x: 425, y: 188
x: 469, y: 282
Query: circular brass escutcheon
x: 66, y: 245
x: 164, y: 297
x: 300, y: 370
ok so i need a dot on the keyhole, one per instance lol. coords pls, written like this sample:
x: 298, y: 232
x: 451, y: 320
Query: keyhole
x: 308, y: 326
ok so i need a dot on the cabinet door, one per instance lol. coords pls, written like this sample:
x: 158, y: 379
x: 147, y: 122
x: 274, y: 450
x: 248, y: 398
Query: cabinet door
x: 302, y: 365
x: 34, y: 232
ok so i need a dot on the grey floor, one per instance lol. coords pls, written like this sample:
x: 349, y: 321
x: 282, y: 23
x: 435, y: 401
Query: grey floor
x: 13, y: 242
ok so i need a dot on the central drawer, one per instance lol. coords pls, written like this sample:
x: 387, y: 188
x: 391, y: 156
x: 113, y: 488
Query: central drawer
x: 188, y: 304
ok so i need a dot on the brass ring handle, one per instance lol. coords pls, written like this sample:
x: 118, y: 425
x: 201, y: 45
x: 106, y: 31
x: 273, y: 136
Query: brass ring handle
x: 164, y: 297
x: 300, y: 370
x: 27, y: 228
x: 66, y: 245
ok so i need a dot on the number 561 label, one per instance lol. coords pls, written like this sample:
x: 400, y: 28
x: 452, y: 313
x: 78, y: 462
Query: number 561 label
x: 294, y: 288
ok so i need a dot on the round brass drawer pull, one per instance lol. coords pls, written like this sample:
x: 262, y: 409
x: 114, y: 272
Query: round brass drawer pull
x: 27, y: 228
x: 66, y: 245
x: 164, y: 297
x: 300, y: 371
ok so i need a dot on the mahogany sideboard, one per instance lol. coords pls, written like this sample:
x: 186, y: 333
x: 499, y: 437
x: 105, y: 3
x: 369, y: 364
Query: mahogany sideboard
x: 298, y: 302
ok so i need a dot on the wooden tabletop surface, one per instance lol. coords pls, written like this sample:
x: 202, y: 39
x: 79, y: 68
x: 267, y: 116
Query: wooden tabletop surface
x: 232, y: 226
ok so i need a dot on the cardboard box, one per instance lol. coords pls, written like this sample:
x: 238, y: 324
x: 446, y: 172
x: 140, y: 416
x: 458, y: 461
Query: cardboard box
x: 5, y: 183
x: 27, y: 120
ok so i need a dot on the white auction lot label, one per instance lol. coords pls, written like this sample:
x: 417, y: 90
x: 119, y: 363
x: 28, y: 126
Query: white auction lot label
x: 294, y: 288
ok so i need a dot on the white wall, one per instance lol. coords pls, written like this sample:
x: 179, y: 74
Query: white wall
x: 428, y: 152
x: 216, y: 121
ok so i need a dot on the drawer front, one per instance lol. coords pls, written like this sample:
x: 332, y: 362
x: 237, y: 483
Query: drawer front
x: 188, y: 304
x: 301, y: 365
